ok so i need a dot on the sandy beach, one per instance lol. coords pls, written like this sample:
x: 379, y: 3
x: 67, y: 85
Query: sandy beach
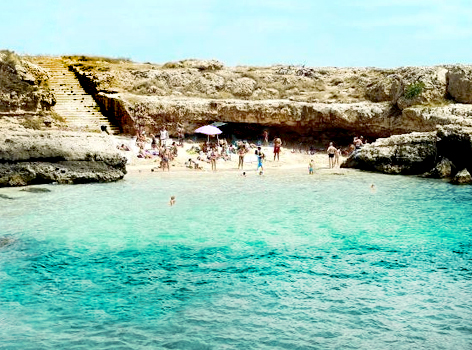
x: 290, y: 160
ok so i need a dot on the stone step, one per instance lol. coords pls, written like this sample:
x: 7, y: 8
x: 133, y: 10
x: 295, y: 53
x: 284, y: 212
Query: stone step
x: 77, y: 107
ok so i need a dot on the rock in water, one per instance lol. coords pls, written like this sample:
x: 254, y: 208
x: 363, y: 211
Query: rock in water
x: 412, y: 154
x: 36, y: 190
x: 443, y: 169
x: 40, y: 157
x: 4, y: 196
x: 6, y: 241
x: 462, y: 178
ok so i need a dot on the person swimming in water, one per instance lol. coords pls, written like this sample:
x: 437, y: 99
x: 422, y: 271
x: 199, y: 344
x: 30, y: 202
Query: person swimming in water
x: 172, y: 200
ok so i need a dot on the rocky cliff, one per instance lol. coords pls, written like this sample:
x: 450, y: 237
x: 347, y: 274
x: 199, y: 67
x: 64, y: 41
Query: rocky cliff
x: 321, y: 103
x: 35, y: 146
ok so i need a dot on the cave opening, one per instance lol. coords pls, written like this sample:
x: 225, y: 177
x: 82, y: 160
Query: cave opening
x: 292, y: 136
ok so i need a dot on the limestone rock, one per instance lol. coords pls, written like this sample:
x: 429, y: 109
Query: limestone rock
x: 413, y: 153
x: 202, y: 65
x: 242, y: 87
x: 31, y: 156
x: 20, y: 85
x: 460, y: 83
x: 422, y: 85
x: 462, y: 178
x: 443, y: 169
x: 388, y: 89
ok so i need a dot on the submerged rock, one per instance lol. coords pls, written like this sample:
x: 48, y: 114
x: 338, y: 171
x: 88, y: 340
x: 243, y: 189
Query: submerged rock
x: 36, y: 190
x: 4, y: 196
x: 6, y: 241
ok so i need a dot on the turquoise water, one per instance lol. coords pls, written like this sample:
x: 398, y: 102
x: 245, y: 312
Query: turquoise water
x: 292, y: 262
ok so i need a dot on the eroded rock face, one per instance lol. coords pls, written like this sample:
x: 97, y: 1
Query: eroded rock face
x: 21, y: 85
x: 434, y: 154
x: 462, y: 178
x: 443, y: 169
x: 32, y: 157
x: 460, y: 83
x: 413, y: 153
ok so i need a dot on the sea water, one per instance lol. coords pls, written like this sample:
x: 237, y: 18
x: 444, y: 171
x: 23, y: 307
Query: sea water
x: 276, y: 261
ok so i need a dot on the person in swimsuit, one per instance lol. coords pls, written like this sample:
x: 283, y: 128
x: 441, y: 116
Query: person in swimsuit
x: 241, y: 153
x: 277, y: 145
x: 213, y: 156
x: 172, y: 200
x: 165, y: 158
x: 331, y: 152
x: 260, y: 157
x: 311, y: 167
x: 337, y: 154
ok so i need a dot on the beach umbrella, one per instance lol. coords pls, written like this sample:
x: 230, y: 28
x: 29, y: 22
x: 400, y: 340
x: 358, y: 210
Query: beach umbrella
x: 209, y: 130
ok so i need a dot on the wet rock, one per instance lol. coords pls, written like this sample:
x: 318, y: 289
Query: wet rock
x: 443, y: 169
x: 6, y: 241
x: 4, y: 196
x: 462, y: 178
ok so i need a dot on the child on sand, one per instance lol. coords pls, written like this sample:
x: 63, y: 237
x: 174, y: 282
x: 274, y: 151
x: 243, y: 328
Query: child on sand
x: 311, y: 167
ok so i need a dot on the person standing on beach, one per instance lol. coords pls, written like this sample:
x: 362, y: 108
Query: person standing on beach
x: 336, y: 156
x: 164, y: 136
x: 165, y: 158
x: 311, y: 167
x: 213, y: 156
x: 241, y: 153
x: 260, y: 158
x: 180, y: 135
x: 277, y: 145
x: 265, y: 134
x: 331, y: 152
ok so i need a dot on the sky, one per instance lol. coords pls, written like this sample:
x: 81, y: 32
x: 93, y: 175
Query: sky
x: 334, y: 33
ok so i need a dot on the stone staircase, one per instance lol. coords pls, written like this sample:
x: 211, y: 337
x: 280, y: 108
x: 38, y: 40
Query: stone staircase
x: 78, y: 108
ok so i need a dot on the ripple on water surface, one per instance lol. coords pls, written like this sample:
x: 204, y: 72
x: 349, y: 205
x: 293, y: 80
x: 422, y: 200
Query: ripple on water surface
x: 293, y: 262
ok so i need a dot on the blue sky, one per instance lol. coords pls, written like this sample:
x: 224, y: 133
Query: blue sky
x: 380, y: 33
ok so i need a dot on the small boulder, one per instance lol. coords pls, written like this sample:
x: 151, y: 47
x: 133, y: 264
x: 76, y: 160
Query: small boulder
x: 443, y: 169
x: 462, y: 178
x: 459, y: 83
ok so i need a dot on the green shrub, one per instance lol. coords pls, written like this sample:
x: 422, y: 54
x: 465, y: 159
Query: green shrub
x: 414, y: 90
x: 33, y: 123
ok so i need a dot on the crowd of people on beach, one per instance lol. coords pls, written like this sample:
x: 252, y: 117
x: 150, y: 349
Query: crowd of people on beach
x: 164, y: 150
